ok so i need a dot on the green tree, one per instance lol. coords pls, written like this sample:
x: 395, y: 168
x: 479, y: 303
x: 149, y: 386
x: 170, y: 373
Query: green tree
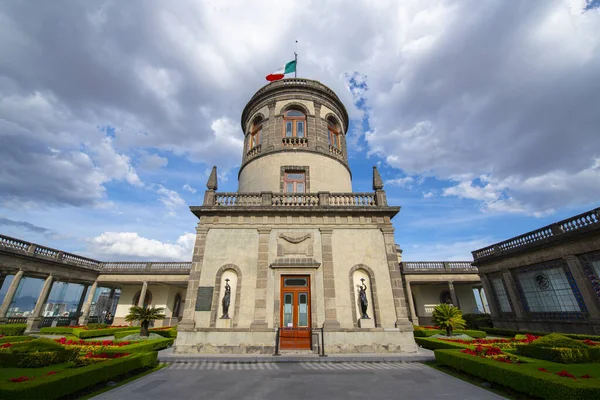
x: 448, y: 317
x: 144, y: 316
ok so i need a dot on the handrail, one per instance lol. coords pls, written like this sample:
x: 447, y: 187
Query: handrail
x: 438, y: 266
x: 278, y: 337
x: 566, y: 226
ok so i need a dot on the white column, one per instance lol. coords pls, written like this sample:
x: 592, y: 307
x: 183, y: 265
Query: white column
x: 85, y: 315
x: 10, y: 294
x: 143, y: 295
x: 411, y: 305
x: 35, y: 321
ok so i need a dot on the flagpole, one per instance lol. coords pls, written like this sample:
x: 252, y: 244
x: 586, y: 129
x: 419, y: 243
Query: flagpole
x: 296, y: 59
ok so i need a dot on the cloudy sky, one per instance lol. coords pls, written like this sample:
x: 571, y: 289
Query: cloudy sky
x: 483, y: 116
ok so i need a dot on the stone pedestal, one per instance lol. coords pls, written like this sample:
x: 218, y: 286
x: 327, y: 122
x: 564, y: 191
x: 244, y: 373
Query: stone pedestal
x: 223, y: 323
x: 366, y: 323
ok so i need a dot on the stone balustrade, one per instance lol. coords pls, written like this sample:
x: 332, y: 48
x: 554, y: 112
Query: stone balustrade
x: 270, y: 199
x: 238, y: 199
x: 569, y: 226
x: 254, y: 151
x: 453, y: 267
x: 294, y: 142
x: 352, y: 199
x: 295, y: 200
x: 335, y: 151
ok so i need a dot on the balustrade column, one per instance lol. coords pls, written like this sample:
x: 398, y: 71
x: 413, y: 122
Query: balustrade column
x: 35, y: 320
x: 411, y: 305
x: 142, y: 298
x: 10, y: 294
x: 328, y: 279
x: 188, y: 321
x: 85, y: 315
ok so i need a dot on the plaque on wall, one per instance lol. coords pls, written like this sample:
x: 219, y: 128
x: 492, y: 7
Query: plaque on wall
x: 204, y: 298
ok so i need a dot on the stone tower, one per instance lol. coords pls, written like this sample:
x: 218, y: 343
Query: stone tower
x: 294, y: 258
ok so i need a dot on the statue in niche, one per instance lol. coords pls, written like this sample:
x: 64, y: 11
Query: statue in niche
x: 364, y: 303
x: 226, y: 300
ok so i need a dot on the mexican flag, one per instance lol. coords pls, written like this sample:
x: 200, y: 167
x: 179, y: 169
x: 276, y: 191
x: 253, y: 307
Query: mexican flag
x: 280, y: 73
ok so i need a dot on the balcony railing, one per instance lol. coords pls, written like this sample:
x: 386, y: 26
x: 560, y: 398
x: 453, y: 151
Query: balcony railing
x: 294, y: 142
x: 352, y: 199
x: 568, y: 226
x: 146, y: 267
x: 295, y: 200
x: 441, y: 267
x: 270, y: 199
x: 253, y: 151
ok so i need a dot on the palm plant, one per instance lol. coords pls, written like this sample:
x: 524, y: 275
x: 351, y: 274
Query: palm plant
x: 144, y: 316
x: 448, y: 317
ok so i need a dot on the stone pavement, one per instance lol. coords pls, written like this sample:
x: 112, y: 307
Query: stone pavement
x: 167, y: 355
x: 301, y: 381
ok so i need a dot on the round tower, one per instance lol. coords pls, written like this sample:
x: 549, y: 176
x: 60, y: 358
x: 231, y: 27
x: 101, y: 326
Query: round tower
x: 295, y: 140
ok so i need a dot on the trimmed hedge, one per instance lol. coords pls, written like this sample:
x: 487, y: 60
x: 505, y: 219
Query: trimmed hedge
x: 528, y: 381
x: 434, y: 344
x: 69, y: 381
x: 561, y: 355
x: 12, y: 329
x: 512, y: 333
x: 83, y: 333
x: 15, y: 339
x: 478, y: 321
x: 431, y: 332
x: 36, y: 354
x: 140, y: 347
x: 167, y: 333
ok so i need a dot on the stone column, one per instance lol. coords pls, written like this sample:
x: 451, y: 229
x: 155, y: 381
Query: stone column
x: 35, y: 320
x: 328, y: 279
x: 484, y: 300
x: 493, y: 307
x: 589, y: 296
x: 85, y: 314
x: 513, y: 294
x: 411, y: 305
x: 80, y: 304
x: 453, y: 293
x: 10, y: 294
x: 262, y: 269
x: 143, y: 294
x: 395, y: 278
x: 187, y: 322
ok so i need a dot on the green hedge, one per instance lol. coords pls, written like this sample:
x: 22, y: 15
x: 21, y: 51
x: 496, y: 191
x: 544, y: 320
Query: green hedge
x: 69, y: 381
x: 512, y: 333
x: 141, y: 347
x: 83, y: 333
x: 15, y: 339
x: 170, y: 333
x: 431, y: 332
x: 560, y: 355
x: 478, y: 321
x: 434, y: 344
x: 12, y: 329
x: 528, y: 381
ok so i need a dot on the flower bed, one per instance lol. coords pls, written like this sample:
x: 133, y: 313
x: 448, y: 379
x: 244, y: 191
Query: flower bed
x: 83, y: 332
x: 535, y: 378
x: 68, y: 381
x: 443, y: 343
x: 12, y: 329
x: 431, y: 332
x: 512, y: 333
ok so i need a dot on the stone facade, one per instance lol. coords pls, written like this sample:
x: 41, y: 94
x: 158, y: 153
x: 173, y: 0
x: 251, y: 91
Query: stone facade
x: 546, y: 280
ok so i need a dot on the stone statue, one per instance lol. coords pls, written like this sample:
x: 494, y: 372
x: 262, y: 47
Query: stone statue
x: 226, y: 300
x: 364, y: 303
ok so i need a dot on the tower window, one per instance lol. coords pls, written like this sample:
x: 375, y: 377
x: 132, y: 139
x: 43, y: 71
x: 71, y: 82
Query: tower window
x: 334, y: 133
x: 294, y: 124
x: 294, y: 182
x: 255, y: 133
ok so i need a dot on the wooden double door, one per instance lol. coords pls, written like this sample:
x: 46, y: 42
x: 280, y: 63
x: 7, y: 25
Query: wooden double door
x: 294, y: 313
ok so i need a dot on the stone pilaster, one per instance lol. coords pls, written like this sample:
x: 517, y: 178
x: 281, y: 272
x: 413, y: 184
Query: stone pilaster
x: 143, y: 292
x: 35, y: 320
x: 187, y: 322
x: 453, y: 293
x: 10, y: 294
x: 585, y: 288
x: 260, y: 299
x: 395, y: 278
x: 328, y: 279
x: 411, y: 305
x: 515, y: 299
x: 85, y: 314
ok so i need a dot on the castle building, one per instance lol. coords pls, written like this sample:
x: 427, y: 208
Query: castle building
x: 295, y: 249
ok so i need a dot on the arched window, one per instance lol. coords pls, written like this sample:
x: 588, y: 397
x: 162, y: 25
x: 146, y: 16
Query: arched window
x: 147, y: 300
x: 334, y: 133
x: 255, y: 133
x: 294, y: 124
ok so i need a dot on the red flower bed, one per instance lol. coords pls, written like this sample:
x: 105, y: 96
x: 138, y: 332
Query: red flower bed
x: 565, y: 374
x: 30, y: 378
x: 586, y: 376
x: 71, y: 342
x: 590, y: 343
x: 529, y: 339
x: 490, y: 352
x: 5, y: 345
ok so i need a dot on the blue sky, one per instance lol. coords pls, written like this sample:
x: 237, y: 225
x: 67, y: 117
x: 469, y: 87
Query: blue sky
x: 481, y: 118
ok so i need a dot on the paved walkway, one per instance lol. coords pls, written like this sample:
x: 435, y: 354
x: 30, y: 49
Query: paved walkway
x: 303, y: 380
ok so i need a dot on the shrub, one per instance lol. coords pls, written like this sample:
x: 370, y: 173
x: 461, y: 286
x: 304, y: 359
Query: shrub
x: 167, y: 333
x: 93, y: 326
x: 434, y: 344
x: 560, y: 355
x: 431, y: 332
x: 12, y: 329
x: 532, y: 382
x: 72, y: 380
x: 39, y: 359
x: 14, y: 339
x: 558, y: 340
x: 448, y: 317
x: 140, y: 347
x: 478, y: 321
x: 512, y: 333
x: 83, y: 334
x: 36, y: 345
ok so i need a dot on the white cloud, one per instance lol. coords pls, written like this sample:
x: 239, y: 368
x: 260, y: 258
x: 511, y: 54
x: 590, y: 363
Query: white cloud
x: 129, y: 245
x: 444, y: 251
x: 404, y: 182
x: 150, y: 161
x: 171, y: 199
x: 429, y: 194
x: 189, y: 188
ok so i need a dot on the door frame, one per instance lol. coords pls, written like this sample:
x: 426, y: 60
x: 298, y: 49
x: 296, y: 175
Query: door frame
x: 316, y: 285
